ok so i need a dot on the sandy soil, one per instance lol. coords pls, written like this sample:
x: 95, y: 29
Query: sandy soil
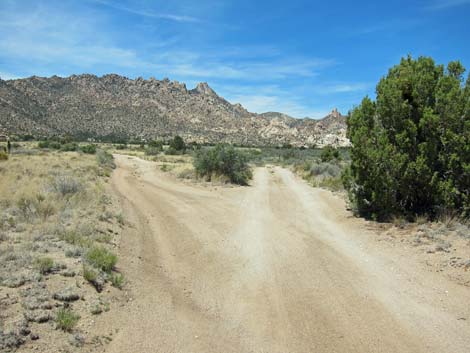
x: 274, y: 267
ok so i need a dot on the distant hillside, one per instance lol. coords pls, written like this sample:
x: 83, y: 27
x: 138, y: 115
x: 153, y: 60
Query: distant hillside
x: 112, y: 106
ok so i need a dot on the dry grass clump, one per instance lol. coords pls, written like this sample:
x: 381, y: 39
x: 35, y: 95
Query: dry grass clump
x: 322, y: 174
x: 66, y: 319
x: 44, y: 265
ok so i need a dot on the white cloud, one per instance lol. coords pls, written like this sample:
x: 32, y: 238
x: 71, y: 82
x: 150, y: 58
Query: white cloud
x: 147, y: 13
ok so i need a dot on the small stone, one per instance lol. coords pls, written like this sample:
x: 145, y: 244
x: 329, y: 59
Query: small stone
x: 77, y: 340
x: 34, y: 337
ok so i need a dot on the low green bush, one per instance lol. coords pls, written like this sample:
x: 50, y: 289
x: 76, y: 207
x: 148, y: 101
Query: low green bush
x: 66, y: 319
x: 44, y: 265
x: 69, y: 147
x: 49, y: 144
x: 101, y: 258
x: 156, y: 144
x: 88, y: 149
x: 105, y: 159
x: 117, y: 280
x: 90, y: 274
x: 178, y: 144
x: 223, y: 160
x: 152, y: 151
x: 329, y: 153
x: 121, y: 147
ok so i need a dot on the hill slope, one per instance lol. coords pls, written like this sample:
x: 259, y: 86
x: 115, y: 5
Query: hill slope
x: 112, y: 106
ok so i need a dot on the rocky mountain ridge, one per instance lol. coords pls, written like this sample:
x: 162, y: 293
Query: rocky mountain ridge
x: 113, y: 107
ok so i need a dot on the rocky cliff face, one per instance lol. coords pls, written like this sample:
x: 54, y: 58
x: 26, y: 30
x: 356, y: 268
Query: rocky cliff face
x: 112, y: 106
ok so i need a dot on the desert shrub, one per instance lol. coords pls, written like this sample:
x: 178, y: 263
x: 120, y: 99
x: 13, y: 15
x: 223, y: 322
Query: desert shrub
x: 90, y: 274
x: 65, y: 185
x: 223, y: 160
x: 26, y: 206
x: 156, y: 144
x: 329, y: 153
x: 66, y: 319
x: 152, y: 151
x: 3, y: 156
x: 324, y: 169
x: 101, y: 258
x: 121, y: 147
x: 331, y: 183
x: 93, y: 276
x: 89, y: 149
x: 105, y: 159
x: 49, y: 144
x: 75, y: 252
x: 120, y: 219
x: 44, y: 265
x: 45, y: 209
x: 187, y: 173
x: 411, y: 147
x: 74, y: 238
x: 172, y: 152
x: 69, y: 147
x: 117, y: 280
x: 178, y: 144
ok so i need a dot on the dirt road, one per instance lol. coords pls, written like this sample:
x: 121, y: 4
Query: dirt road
x: 274, y: 267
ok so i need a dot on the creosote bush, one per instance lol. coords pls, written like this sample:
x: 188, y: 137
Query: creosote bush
x: 223, y: 160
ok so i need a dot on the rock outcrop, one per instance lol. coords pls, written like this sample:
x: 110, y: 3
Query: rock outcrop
x: 112, y: 107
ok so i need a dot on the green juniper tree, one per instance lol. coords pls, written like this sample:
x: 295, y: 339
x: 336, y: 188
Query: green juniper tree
x: 411, y: 147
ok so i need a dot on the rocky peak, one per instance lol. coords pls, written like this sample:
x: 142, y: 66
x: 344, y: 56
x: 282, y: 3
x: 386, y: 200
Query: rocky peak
x: 204, y: 88
x: 113, y: 106
x: 335, y: 114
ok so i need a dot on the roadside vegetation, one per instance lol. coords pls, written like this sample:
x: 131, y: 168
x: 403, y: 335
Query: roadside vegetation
x: 411, y: 146
x: 58, y: 222
x: 222, y: 161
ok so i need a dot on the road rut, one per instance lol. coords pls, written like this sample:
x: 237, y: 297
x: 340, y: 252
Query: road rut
x: 274, y: 267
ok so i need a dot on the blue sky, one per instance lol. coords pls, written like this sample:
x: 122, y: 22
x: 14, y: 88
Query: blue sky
x: 298, y: 57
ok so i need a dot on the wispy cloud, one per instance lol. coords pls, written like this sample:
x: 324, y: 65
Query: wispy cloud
x: 391, y: 26
x: 273, y: 98
x: 446, y: 4
x: 50, y: 40
x: 8, y: 76
x: 148, y: 13
x: 340, y: 88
